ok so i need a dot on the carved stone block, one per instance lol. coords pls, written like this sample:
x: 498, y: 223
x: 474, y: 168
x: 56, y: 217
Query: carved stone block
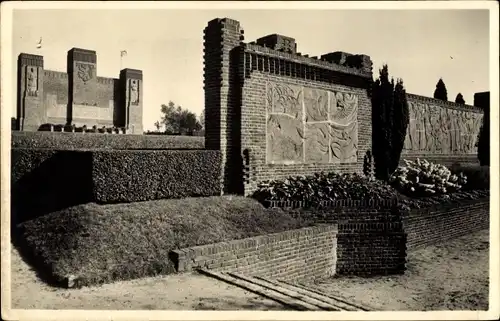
x: 344, y: 143
x: 316, y: 104
x: 311, y: 125
x: 285, y: 139
x: 317, y: 140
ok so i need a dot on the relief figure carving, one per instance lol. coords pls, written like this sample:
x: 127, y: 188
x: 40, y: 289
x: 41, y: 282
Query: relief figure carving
x: 344, y: 143
x: 316, y: 104
x: 317, y: 143
x: 134, y: 92
x: 343, y: 107
x: 428, y: 130
x: 31, y: 81
x: 284, y: 139
x: 421, y: 127
x: 85, y: 71
x: 285, y: 99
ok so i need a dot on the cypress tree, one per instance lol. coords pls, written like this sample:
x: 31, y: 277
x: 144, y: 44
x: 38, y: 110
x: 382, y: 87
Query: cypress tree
x: 460, y: 99
x: 441, y: 92
x: 389, y: 120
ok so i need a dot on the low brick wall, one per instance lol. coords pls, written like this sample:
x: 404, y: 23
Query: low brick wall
x: 427, y: 226
x: 298, y: 254
x: 370, y: 239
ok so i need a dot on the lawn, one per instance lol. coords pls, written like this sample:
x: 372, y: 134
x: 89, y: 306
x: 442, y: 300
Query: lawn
x: 93, y: 244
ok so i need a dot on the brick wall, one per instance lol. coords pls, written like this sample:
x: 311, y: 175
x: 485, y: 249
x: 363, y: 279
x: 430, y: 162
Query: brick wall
x: 443, y: 159
x: 253, y: 131
x: 436, y: 224
x: 235, y: 76
x: 370, y: 238
x: 303, y: 253
x: 446, y: 158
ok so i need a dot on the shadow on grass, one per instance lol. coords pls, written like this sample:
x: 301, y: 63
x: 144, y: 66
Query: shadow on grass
x: 41, y: 270
x: 42, y: 182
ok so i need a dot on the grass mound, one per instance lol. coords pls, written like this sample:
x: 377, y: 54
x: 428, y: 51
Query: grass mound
x: 101, y: 243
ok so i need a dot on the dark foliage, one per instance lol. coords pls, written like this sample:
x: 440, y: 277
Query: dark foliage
x: 45, y: 180
x: 55, y: 140
x: 478, y: 177
x: 460, y: 99
x: 390, y: 118
x: 323, y: 187
x: 102, y: 243
x: 131, y: 176
x: 483, y: 146
x: 441, y: 92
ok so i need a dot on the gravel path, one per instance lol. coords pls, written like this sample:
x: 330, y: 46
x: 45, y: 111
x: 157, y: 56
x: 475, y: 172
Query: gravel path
x: 448, y: 276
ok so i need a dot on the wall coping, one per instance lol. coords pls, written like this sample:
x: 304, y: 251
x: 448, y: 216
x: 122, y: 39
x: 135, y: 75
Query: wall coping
x: 350, y: 203
x: 253, y: 240
x: 433, y: 208
x: 315, y: 62
x: 445, y: 103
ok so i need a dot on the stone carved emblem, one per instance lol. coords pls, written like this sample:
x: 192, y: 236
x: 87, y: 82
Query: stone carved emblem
x: 134, y: 92
x: 31, y: 81
x: 316, y: 126
x: 85, y: 71
x: 437, y: 129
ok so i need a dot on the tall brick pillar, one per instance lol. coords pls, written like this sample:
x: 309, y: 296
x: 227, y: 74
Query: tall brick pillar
x: 82, y: 82
x: 131, y: 102
x: 31, y: 111
x: 222, y: 54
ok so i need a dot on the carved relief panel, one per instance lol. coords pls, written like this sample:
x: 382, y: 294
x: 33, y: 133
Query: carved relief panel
x: 31, y: 81
x: 85, y: 71
x: 134, y: 92
x: 308, y: 125
x: 436, y: 129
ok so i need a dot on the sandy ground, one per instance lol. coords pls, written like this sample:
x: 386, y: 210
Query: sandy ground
x: 190, y: 291
x: 450, y: 276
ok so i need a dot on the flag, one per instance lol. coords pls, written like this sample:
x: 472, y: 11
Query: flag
x: 39, y: 44
x: 123, y: 53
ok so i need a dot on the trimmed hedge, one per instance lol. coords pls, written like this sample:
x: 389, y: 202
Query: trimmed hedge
x: 101, y: 243
x: 71, y: 141
x: 44, y: 180
x: 131, y: 176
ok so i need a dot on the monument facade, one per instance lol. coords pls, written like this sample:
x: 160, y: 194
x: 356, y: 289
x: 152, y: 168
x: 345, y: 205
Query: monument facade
x: 281, y: 113
x: 78, y: 97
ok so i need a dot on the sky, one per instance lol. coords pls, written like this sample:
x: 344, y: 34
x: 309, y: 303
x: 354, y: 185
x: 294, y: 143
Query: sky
x: 419, y: 46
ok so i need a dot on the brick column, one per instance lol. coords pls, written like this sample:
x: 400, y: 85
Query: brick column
x: 222, y: 53
x: 31, y: 111
x: 131, y: 88
x: 82, y: 82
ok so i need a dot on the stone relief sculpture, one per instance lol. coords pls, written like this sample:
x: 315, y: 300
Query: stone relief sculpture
x: 441, y: 130
x: 31, y: 81
x: 310, y: 125
x: 285, y: 139
x: 85, y: 71
x: 344, y: 143
x: 284, y: 99
x: 317, y: 143
x: 134, y: 92
x: 316, y: 104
